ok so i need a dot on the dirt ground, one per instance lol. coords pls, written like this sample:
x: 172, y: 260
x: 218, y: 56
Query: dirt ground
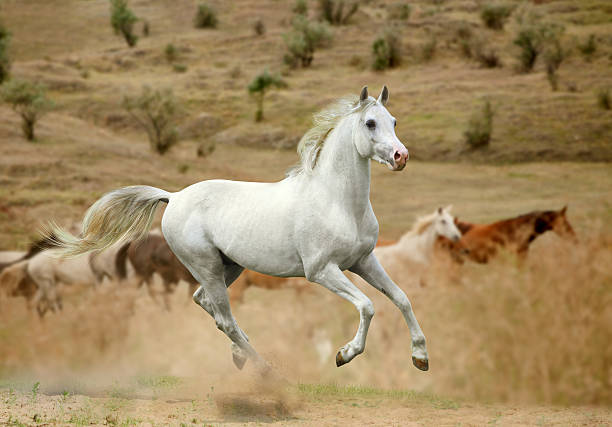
x: 296, y: 405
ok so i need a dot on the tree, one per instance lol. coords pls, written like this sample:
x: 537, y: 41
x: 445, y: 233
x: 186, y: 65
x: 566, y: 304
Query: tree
x: 5, y: 62
x: 303, y: 39
x: 155, y: 111
x: 28, y: 100
x: 258, y: 87
x: 123, y: 20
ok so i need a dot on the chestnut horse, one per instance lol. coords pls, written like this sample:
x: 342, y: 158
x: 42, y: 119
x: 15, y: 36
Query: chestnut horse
x: 483, y: 241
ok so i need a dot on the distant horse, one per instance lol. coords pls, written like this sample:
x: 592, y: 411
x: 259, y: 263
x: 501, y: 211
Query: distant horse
x: 149, y: 256
x: 483, y: 241
x: 251, y: 278
x: 13, y: 257
x: 315, y: 223
x: 416, y: 247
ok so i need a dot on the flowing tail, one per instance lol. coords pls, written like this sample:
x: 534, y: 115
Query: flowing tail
x: 123, y: 214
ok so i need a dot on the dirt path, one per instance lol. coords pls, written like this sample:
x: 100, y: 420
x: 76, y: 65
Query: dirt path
x: 163, y: 404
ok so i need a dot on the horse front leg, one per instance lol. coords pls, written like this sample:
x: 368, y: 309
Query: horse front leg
x: 333, y: 279
x: 372, y: 272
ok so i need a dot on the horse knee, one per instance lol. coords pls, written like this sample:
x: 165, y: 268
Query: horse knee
x: 366, y: 308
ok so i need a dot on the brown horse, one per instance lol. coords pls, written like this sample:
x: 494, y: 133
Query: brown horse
x: 149, y: 256
x: 483, y: 241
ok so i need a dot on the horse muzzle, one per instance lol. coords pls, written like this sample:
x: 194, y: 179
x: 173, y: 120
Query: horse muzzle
x: 400, y: 157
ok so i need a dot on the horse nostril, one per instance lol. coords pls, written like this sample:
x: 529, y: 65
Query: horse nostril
x: 397, y: 156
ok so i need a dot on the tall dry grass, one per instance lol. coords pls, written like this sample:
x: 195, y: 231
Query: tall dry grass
x: 540, y: 332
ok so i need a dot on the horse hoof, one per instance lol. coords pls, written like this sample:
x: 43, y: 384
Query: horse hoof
x: 239, y: 360
x: 422, y: 364
x: 340, y: 360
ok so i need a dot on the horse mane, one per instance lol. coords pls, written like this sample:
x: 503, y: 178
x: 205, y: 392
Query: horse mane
x: 324, y: 122
x: 421, y: 224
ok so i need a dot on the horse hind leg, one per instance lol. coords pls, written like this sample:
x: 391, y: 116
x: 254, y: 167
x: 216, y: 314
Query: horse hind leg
x: 231, y: 273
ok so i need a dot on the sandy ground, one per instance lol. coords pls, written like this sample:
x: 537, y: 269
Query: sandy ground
x: 296, y: 407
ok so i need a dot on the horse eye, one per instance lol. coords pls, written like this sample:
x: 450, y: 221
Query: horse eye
x: 394, y: 123
x: 371, y: 124
x: 444, y: 222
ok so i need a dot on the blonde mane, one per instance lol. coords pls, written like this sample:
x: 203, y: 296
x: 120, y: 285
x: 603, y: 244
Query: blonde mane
x: 324, y: 122
x: 422, y: 224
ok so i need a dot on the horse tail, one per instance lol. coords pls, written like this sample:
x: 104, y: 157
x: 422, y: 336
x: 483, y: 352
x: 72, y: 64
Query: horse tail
x: 45, y: 242
x: 121, y: 261
x: 123, y: 214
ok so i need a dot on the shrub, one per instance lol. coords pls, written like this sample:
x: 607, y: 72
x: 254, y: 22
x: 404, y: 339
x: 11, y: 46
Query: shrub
x: 205, y: 17
x: 179, y: 68
x: 603, y: 99
x: 300, y: 7
x: 171, y: 52
x: 399, y: 10
x: 146, y: 28
x: 206, y: 148
x: 258, y: 87
x: 534, y: 37
x: 259, y: 27
x: 333, y: 11
x: 386, y: 51
x: 554, y: 55
x: 485, y: 55
x: 303, y: 39
x: 123, y: 20
x: 428, y: 49
x: 28, y: 100
x: 480, y: 127
x: 155, y: 111
x: 495, y: 15
x: 5, y: 62
x: 589, y: 47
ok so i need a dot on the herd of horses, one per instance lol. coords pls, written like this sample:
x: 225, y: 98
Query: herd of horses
x: 315, y: 224
x: 37, y: 274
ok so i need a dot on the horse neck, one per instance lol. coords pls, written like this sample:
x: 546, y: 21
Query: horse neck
x: 422, y: 243
x: 341, y: 168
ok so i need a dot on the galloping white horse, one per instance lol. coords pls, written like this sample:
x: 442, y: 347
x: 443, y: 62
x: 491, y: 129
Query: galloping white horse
x: 315, y: 223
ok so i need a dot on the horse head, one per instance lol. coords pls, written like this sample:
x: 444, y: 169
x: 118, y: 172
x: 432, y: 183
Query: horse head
x: 444, y: 224
x: 375, y: 133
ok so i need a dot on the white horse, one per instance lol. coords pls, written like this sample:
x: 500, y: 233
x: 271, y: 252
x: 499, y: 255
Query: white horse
x: 315, y: 223
x: 417, y: 245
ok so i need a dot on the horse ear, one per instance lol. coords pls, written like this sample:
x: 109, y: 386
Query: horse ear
x: 364, y: 94
x: 384, y: 95
x: 562, y: 211
x: 440, y: 211
x: 448, y: 208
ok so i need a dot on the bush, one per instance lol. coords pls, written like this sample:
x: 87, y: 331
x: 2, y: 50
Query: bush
x: 206, y: 148
x: 589, y: 47
x: 206, y: 17
x: 480, y: 127
x: 486, y: 56
x: 300, y: 7
x: 386, y: 50
x: 258, y: 87
x: 146, y: 29
x: 428, y: 49
x: 333, y: 11
x: 554, y: 55
x: 28, y: 100
x: 171, y: 52
x: 399, y: 10
x: 534, y: 37
x: 179, y: 68
x: 5, y: 62
x: 155, y: 111
x: 303, y: 39
x: 603, y: 99
x: 259, y: 27
x: 123, y: 20
x: 495, y: 15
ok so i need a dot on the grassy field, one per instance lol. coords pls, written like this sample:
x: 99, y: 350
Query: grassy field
x: 510, y: 344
